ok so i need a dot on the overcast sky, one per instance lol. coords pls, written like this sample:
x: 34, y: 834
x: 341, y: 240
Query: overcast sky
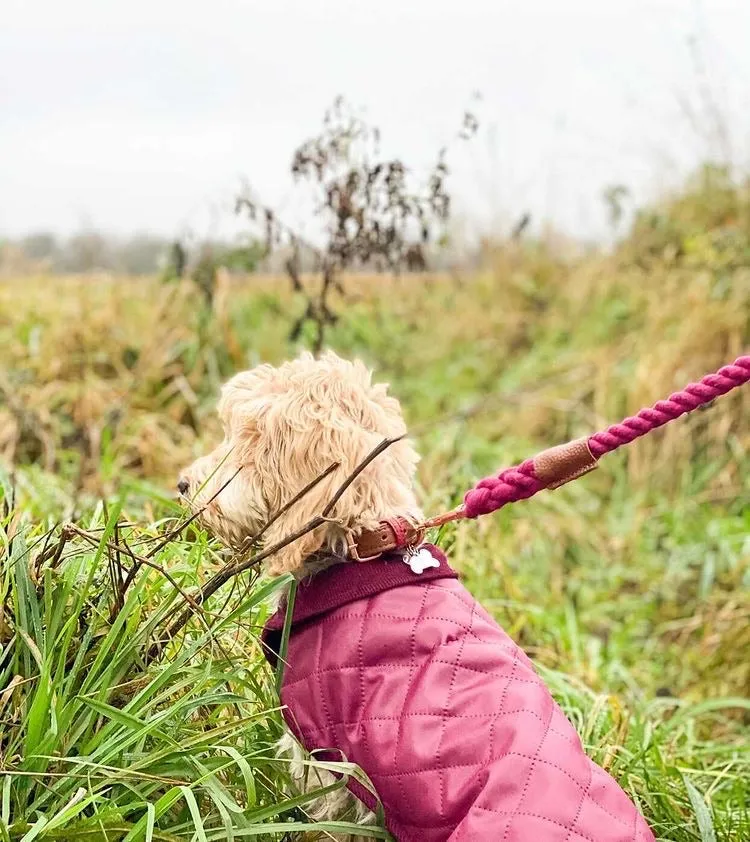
x: 146, y: 115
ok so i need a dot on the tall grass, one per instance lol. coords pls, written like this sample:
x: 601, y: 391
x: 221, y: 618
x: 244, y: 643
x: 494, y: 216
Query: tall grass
x: 630, y: 588
x: 98, y: 743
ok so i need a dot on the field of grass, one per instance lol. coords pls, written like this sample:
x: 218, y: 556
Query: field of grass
x: 630, y: 588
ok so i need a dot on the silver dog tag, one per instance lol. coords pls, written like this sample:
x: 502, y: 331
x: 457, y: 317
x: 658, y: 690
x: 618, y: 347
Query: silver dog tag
x: 420, y: 560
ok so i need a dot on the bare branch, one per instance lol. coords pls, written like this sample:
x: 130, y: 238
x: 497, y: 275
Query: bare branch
x: 384, y: 445
x: 293, y: 502
x: 373, y: 211
x: 110, y: 545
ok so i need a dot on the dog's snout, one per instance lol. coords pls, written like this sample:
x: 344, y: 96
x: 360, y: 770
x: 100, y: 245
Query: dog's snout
x: 183, y: 485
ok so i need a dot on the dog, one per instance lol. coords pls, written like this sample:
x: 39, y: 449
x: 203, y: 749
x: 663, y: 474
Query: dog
x: 391, y: 664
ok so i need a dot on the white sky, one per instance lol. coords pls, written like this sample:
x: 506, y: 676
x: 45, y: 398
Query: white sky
x: 145, y: 115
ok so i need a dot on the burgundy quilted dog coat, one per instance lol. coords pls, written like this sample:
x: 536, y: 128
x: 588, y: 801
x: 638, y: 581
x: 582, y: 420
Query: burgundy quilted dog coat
x: 407, y: 676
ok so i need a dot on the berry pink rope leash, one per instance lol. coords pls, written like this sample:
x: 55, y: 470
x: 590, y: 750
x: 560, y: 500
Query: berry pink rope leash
x: 558, y: 465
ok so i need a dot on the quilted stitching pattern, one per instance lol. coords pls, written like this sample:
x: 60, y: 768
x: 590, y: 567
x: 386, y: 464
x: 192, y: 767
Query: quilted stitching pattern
x: 463, y: 741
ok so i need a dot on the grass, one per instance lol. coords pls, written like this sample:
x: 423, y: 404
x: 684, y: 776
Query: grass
x: 629, y: 588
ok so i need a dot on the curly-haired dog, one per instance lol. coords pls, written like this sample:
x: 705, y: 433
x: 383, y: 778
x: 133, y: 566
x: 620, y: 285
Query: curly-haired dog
x: 391, y: 663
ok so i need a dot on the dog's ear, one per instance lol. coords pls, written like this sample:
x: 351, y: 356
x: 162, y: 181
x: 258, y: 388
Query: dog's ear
x: 315, y: 414
x: 291, y: 458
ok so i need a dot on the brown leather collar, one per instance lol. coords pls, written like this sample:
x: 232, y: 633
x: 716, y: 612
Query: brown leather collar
x: 392, y: 534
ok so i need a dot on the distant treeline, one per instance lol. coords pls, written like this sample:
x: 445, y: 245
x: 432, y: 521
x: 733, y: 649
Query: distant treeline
x: 87, y: 251
x: 147, y: 254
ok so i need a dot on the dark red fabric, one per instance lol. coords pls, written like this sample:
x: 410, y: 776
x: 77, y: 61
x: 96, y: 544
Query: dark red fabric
x: 407, y: 676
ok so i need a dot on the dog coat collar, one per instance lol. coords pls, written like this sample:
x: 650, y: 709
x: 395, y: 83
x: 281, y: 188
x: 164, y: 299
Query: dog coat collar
x: 345, y: 583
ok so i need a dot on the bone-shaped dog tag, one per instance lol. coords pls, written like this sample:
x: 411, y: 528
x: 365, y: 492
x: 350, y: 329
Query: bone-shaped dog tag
x: 420, y: 560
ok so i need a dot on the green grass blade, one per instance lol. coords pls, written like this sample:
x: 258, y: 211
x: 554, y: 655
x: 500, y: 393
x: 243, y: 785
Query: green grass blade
x: 286, y: 631
x: 200, y: 831
x: 702, y: 812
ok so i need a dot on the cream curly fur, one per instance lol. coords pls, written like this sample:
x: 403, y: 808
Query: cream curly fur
x: 283, y: 427
x: 339, y: 805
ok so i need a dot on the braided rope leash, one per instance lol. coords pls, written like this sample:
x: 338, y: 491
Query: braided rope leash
x: 558, y: 465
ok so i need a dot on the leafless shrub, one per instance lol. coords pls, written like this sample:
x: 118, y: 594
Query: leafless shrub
x: 374, y: 213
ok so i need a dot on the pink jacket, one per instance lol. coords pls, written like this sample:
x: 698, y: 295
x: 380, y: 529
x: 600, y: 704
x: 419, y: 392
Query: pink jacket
x: 407, y: 676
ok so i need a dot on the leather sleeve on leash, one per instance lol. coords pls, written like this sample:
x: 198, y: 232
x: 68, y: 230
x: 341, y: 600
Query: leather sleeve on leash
x: 558, y: 465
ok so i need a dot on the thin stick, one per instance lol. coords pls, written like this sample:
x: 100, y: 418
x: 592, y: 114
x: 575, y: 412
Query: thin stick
x: 384, y: 445
x: 194, y: 606
x: 141, y: 560
x: 133, y: 570
x: 297, y: 497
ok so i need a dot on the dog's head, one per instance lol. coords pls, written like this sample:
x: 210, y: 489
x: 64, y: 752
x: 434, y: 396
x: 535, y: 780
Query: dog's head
x: 283, y: 427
